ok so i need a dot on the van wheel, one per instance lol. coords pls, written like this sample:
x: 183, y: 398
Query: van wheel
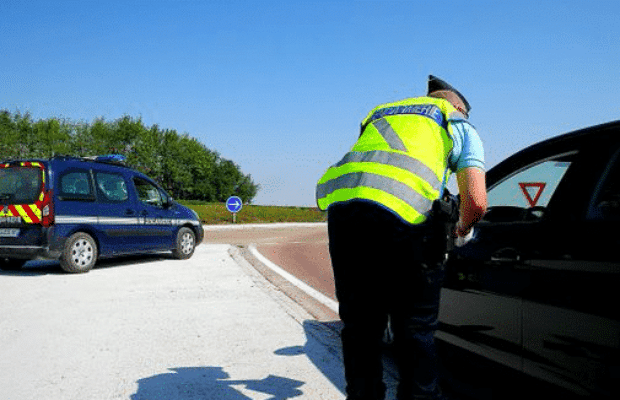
x: 11, y: 264
x: 79, y: 254
x: 185, y: 244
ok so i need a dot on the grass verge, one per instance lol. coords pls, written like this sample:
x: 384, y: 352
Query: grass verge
x: 216, y: 213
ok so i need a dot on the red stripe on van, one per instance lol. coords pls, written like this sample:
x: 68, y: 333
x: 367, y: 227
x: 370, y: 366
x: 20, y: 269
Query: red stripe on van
x: 33, y: 217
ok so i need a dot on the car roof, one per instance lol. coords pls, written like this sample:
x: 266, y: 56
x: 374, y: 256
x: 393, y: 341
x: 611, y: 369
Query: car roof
x: 597, y: 134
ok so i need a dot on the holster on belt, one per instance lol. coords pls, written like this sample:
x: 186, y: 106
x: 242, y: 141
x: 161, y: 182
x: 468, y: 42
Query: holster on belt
x: 444, y: 216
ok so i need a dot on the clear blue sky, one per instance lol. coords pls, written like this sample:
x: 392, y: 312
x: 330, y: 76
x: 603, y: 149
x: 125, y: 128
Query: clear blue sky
x: 280, y: 87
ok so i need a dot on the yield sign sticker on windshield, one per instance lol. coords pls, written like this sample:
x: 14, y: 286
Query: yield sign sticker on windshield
x: 532, y: 191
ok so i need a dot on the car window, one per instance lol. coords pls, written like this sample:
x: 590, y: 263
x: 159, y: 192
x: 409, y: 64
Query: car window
x: 111, y: 187
x: 525, y: 194
x: 75, y: 185
x: 530, y: 187
x: 148, y: 193
x: 605, y: 204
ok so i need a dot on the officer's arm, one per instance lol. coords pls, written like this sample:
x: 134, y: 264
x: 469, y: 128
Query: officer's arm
x: 472, y: 190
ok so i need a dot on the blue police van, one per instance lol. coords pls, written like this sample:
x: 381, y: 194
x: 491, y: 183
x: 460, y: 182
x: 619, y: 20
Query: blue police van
x: 78, y: 210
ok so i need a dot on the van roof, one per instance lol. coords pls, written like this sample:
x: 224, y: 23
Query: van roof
x: 112, y: 159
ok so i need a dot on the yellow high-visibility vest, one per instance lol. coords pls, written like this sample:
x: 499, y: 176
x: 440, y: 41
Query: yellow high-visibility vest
x: 399, y: 161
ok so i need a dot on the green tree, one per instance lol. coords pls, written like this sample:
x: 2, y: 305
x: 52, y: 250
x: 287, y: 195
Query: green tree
x: 9, y: 137
x: 247, y: 189
x: 177, y: 178
x: 230, y: 181
x: 147, y: 153
x: 201, y: 164
x: 81, y: 140
x: 179, y: 163
x: 51, y: 138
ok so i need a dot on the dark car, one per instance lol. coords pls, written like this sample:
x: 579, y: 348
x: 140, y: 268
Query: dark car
x: 78, y: 210
x: 538, y: 289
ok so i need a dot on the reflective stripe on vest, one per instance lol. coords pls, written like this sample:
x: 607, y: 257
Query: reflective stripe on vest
x: 374, y: 181
x: 401, y: 161
x: 381, y: 168
x: 391, y: 137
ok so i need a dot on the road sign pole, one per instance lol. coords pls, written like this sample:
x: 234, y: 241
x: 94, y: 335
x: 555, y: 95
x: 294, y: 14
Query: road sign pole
x: 234, y: 205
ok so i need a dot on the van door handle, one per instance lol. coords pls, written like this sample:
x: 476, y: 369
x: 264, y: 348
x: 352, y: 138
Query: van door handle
x: 129, y: 211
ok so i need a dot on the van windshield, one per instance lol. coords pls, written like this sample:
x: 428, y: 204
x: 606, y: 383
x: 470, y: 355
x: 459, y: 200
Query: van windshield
x: 20, y: 185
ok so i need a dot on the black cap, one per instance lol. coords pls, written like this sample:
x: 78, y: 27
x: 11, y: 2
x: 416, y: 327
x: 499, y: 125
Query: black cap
x: 435, y: 84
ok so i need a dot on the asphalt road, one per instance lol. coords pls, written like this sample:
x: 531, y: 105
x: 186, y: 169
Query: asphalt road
x: 299, y: 249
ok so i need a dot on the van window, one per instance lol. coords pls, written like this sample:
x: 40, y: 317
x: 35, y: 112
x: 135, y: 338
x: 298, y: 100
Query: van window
x: 111, y: 187
x: 76, y: 185
x: 20, y: 185
x: 148, y: 193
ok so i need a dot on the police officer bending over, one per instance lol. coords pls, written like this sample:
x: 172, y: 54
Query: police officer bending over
x: 387, y: 251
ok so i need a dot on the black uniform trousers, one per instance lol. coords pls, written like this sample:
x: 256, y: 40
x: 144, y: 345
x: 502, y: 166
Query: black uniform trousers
x: 385, y: 266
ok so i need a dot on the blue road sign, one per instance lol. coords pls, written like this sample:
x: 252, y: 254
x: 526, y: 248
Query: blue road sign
x: 234, y: 204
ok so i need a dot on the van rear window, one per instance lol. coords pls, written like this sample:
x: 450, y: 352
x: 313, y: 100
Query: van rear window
x: 20, y: 185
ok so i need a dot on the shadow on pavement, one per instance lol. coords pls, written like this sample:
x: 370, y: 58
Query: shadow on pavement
x: 212, y: 383
x: 323, y: 349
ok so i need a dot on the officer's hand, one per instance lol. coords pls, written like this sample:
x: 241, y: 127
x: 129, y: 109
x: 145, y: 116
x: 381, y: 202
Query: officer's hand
x: 462, y: 238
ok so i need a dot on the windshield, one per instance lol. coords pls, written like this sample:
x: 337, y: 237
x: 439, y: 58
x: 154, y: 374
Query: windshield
x: 20, y: 185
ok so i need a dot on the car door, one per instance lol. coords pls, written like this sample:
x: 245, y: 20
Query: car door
x: 117, y: 213
x: 482, y: 299
x: 75, y: 205
x: 571, y: 324
x: 537, y: 288
x: 155, y: 215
